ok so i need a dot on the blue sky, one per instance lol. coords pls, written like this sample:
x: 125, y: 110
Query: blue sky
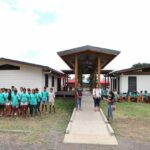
x: 34, y: 30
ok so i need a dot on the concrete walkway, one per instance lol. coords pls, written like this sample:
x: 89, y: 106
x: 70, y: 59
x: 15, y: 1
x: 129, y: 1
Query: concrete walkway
x: 89, y: 127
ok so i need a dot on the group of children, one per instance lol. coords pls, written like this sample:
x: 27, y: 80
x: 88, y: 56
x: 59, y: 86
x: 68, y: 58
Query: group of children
x: 14, y: 103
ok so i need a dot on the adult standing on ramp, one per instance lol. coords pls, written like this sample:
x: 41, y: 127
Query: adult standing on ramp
x: 78, y: 97
x: 96, y: 97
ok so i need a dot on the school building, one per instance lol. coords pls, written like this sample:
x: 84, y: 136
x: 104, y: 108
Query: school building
x: 132, y: 79
x: 82, y: 60
x: 23, y: 74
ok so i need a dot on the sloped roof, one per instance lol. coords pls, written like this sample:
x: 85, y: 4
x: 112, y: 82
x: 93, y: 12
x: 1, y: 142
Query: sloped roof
x: 129, y: 70
x: 31, y: 64
x: 88, y: 56
x: 90, y: 48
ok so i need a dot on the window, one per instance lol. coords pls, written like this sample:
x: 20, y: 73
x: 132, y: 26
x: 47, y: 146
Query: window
x: 53, y: 81
x: 132, y: 84
x: 114, y: 84
x: 46, y: 80
x: 9, y: 67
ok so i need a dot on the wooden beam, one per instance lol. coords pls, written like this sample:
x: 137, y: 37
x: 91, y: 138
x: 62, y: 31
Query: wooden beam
x: 68, y: 60
x: 76, y: 70
x: 99, y: 70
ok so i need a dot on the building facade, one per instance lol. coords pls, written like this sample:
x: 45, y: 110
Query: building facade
x: 23, y: 74
x: 132, y: 79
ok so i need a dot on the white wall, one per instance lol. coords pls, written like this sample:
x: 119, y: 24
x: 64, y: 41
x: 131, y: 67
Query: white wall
x: 123, y: 84
x: 55, y: 88
x: 143, y: 83
x: 27, y: 76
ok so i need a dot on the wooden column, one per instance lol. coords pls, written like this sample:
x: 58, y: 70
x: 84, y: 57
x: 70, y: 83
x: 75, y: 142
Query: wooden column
x: 95, y: 78
x: 105, y: 81
x: 65, y: 83
x: 67, y: 79
x: 76, y: 71
x: 99, y: 70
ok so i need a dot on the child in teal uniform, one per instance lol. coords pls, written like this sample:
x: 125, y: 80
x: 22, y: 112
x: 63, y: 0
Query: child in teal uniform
x: 38, y: 96
x: 12, y: 90
x: 33, y: 103
x: 44, y: 99
x: 24, y: 103
x: 29, y: 97
x: 15, y: 103
x: 7, y: 102
x: 2, y: 102
x: 104, y: 93
x: 146, y: 96
x: 20, y: 93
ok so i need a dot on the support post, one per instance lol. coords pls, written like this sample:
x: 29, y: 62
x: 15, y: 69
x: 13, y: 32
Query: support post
x: 67, y: 82
x: 105, y: 81
x: 76, y: 71
x: 99, y: 70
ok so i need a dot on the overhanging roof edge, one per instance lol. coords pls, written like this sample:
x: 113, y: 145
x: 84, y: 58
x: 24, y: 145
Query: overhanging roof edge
x: 89, y: 48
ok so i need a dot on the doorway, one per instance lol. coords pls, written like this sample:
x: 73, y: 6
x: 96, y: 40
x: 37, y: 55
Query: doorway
x: 59, y: 84
x: 132, y: 84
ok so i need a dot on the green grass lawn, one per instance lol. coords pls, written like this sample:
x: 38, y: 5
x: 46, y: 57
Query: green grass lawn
x: 132, y: 120
x: 129, y: 110
x: 42, y: 125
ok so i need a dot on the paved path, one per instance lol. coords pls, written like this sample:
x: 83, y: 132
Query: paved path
x: 88, y: 127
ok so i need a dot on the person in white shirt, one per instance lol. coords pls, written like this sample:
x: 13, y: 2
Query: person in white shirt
x: 96, y: 96
x: 52, y: 101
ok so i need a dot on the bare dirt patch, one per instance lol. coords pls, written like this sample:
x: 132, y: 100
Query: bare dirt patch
x: 134, y: 129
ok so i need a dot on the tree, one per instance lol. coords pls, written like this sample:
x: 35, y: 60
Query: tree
x: 140, y: 65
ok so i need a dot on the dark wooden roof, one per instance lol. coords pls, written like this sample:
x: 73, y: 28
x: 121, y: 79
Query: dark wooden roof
x: 88, y: 48
x: 88, y: 57
x: 46, y: 68
x: 68, y: 71
x: 72, y: 71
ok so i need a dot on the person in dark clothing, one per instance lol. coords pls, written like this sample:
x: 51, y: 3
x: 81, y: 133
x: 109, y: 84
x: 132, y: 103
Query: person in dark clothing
x: 111, y: 101
x: 78, y: 97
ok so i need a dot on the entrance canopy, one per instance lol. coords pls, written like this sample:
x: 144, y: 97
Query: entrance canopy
x: 87, y: 59
x: 104, y: 72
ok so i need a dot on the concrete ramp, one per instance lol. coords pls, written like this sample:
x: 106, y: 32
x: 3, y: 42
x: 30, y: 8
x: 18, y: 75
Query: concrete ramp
x: 89, y: 127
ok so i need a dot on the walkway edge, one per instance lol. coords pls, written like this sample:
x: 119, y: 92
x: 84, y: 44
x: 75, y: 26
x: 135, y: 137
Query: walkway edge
x: 73, y: 115
x: 70, y: 122
x: 103, y: 116
x: 110, y: 129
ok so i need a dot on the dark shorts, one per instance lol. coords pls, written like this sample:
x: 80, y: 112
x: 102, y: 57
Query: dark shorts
x: 96, y: 102
x: 38, y: 104
x: 2, y: 106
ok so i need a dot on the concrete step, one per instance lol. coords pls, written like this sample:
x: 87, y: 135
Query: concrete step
x: 90, y: 139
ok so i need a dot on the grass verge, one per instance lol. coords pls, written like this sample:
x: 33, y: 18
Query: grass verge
x: 44, y: 125
x: 132, y: 120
